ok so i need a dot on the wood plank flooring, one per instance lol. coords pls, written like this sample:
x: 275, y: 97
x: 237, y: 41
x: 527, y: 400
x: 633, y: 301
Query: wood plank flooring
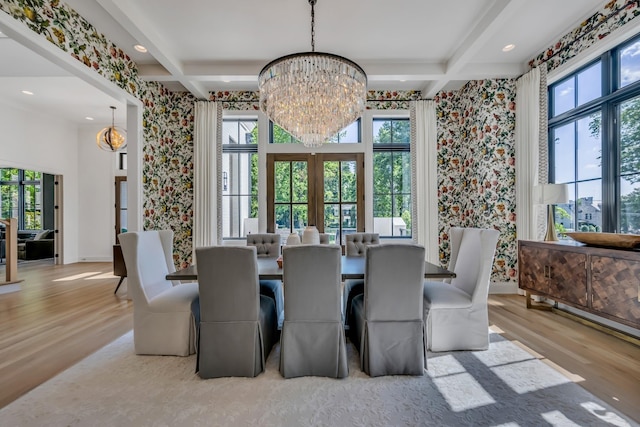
x: 60, y: 315
x: 64, y: 313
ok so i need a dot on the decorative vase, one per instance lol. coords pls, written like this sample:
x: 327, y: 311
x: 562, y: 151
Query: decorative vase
x: 311, y: 236
x: 293, y: 239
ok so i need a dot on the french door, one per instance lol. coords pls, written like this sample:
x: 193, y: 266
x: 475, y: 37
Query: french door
x: 325, y: 190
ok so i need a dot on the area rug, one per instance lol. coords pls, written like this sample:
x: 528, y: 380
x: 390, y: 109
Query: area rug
x: 504, y: 386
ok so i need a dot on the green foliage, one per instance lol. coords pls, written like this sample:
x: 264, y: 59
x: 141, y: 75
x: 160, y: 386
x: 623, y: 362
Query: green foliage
x: 629, y: 137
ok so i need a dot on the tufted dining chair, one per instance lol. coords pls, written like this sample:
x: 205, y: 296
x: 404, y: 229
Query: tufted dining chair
x: 268, y: 246
x: 456, y: 314
x: 312, y: 341
x: 238, y: 326
x: 356, y: 245
x: 162, y: 319
x: 387, y: 326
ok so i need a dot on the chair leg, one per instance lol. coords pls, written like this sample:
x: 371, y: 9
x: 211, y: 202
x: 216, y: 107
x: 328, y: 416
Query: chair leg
x: 119, y: 283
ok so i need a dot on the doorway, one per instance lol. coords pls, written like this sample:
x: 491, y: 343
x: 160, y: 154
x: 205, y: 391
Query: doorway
x: 322, y: 189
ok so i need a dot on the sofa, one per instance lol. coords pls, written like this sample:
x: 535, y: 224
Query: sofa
x: 32, y: 244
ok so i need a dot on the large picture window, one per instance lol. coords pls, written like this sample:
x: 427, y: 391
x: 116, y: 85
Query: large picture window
x: 594, y: 142
x: 391, y: 177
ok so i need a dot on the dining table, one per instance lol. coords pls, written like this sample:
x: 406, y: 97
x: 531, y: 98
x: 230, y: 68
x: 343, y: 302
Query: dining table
x: 352, y: 267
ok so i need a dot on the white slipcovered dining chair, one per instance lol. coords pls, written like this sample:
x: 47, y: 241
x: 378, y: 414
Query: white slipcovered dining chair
x: 238, y: 326
x: 387, y: 325
x: 162, y: 319
x: 312, y: 341
x: 268, y: 246
x: 456, y: 314
x: 356, y: 245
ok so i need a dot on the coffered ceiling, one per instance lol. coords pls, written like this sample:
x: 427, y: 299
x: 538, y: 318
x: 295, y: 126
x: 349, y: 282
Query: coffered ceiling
x: 200, y: 46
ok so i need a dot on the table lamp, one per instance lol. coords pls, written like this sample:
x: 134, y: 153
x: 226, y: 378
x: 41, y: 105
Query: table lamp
x: 551, y: 194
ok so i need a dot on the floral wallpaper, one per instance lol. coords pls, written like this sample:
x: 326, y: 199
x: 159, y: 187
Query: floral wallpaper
x: 476, y: 166
x: 167, y: 117
x: 475, y: 128
x: 613, y: 15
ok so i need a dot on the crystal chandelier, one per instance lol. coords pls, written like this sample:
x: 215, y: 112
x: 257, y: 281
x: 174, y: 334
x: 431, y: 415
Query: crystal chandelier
x: 112, y: 138
x: 312, y: 95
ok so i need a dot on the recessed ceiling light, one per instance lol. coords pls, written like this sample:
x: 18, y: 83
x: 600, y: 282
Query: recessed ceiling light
x: 226, y: 81
x: 140, y: 48
x: 508, y: 47
x: 89, y: 118
x: 27, y: 92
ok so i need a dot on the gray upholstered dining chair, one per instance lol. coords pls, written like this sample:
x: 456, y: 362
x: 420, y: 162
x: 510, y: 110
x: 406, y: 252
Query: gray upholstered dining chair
x: 268, y: 245
x: 238, y: 326
x: 356, y: 245
x: 387, y: 325
x: 456, y: 314
x: 162, y: 320
x: 312, y: 341
x: 324, y: 239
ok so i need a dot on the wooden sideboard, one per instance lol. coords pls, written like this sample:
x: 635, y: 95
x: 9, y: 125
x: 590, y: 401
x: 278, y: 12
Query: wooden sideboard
x: 602, y: 281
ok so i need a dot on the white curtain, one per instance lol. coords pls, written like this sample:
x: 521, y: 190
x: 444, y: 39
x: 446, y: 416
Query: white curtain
x: 527, y: 152
x: 206, y: 167
x: 425, y: 200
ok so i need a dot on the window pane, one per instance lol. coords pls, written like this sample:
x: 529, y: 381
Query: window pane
x: 630, y: 136
x: 565, y: 217
x: 401, y: 131
x: 348, y: 135
x: 239, y: 194
x: 331, y: 218
x: 590, y: 84
x: 381, y: 172
x: 589, y: 206
x: 564, y: 96
x: 388, y: 131
x: 239, y: 131
x: 401, y: 172
x: 564, y: 150
x: 630, y: 64
x: 32, y: 207
x: 331, y: 183
x: 282, y: 181
x: 299, y: 179
x: 349, y: 181
x: 589, y: 149
x: 402, y: 215
x: 9, y: 201
x: 349, y: 218
x: 8, y: 174
x: 283, y: 218
x: 300, y: 219
x: 630, y: 204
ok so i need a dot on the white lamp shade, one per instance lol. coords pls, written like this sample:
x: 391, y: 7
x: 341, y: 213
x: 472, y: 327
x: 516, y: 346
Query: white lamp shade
x: 551, y: 194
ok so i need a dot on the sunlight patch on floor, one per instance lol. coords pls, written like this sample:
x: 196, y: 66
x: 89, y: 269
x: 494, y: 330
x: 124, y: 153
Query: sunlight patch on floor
x: 77, y: 276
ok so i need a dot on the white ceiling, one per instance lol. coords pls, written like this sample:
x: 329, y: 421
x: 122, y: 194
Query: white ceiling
x: 426, y: 45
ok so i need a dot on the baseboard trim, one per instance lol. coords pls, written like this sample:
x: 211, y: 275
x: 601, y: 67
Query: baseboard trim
x: 503, y: 288
x: 95, y: 259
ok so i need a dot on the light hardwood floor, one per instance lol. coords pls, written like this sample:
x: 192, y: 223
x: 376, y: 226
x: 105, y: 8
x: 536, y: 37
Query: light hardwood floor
x: 64, y: 313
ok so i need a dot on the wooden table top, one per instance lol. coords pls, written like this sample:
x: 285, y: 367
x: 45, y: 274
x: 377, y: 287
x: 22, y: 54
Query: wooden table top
x: 352, y: 268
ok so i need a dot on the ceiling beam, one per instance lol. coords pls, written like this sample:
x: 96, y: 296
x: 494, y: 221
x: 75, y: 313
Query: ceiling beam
x: 487, y: 26
x: 134, y: 22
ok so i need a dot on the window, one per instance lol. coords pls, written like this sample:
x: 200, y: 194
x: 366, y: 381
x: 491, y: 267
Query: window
x: 349, y: 135
x: 391, y: 177
x: 239, y: 177
x: 21, y: 197
x: 594, y: 143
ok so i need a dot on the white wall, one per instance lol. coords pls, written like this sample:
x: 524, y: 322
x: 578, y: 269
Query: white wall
x: 36, y: 141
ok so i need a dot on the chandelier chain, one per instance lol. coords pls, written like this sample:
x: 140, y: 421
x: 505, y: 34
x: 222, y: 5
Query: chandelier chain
x: 313, y: 25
